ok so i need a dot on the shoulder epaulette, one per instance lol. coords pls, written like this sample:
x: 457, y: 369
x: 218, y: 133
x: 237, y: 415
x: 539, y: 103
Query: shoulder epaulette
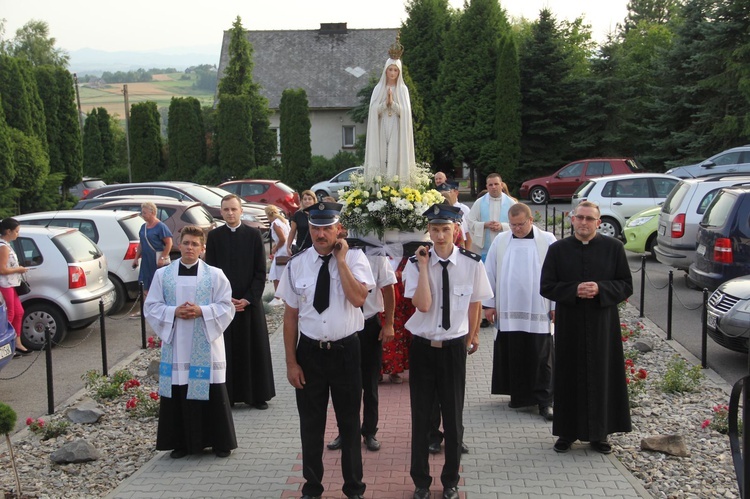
x: 413, y: 259
x: 470, y: 254
x: 298, y: 253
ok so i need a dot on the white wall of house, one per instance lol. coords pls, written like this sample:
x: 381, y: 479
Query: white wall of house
x: 327, y: 131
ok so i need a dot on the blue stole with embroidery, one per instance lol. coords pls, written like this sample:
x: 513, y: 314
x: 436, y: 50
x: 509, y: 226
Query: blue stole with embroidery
x: 484, y: 213
x: 199, y: 377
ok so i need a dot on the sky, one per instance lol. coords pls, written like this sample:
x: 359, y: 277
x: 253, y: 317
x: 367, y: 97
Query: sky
x: 159, y: 25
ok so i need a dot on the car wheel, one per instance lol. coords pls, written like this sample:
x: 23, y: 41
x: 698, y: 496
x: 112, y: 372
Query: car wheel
x: 35, y: 319
x: 538, y: 195
x: 610, y: 227
x: 321, y: 194
x: 651, y: 244
x: 121, y: 295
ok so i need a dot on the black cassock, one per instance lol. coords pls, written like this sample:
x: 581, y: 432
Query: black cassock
x: 591, y: 398
x: 240, y: 254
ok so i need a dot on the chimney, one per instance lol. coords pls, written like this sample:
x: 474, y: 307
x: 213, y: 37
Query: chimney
x: 333, y: 29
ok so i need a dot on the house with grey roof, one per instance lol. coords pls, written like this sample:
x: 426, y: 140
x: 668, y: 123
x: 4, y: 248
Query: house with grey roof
x: 331, y: 64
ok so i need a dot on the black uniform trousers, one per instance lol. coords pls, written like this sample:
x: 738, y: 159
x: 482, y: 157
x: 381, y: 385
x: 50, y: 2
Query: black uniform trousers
x: 437, y: 372
x: 330, y: 367
x: 372, y: 360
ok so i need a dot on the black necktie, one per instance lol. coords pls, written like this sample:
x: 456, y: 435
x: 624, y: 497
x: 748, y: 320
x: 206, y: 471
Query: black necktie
x: 322, y: 286
x: 446, y: 296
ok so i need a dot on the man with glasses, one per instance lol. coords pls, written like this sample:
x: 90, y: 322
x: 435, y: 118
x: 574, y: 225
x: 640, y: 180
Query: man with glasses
x: 523, y: 357
x: 587, y: 276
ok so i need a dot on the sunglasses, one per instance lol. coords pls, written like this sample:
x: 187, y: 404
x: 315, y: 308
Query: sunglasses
x: 581, y: 218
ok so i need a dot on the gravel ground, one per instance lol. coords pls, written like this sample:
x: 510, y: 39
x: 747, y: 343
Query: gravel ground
x: 126, y: 443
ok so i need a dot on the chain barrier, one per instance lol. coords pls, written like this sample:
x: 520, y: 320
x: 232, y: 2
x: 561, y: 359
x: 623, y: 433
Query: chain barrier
x: 60, y: 345
x: 26, y: 369
x: 127, y: 315
x: 685, y: 306
x: 651, y: 283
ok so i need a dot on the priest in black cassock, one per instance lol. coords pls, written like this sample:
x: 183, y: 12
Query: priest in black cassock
x: 587, y: 275
x: 238, y: 250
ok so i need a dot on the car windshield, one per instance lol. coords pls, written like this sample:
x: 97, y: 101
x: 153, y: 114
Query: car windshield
x: 76, y: 247
x: 674, y: 200
x: 633, y: 166
x: 284, y: 187
x: 207, y: 196
x: 719, y: 210
x: 132, y: 225
x: 197, y: 215
x: 584, y: 189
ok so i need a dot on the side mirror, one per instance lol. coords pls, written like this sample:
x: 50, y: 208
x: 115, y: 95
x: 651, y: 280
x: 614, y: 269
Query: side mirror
x: 708, y: 164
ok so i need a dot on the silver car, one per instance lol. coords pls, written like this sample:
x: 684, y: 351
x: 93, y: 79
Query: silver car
x: 729, y: 314
x: 682, y: 212
x: 735, y: 160
x: 340, y: 181
x: 68, y: 277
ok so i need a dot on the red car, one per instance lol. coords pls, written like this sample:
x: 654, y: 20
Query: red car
x: 265, y: 191
x: 563, y: 183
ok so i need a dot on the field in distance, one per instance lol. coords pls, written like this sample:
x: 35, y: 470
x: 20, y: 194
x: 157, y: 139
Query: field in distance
x: 160, y: 90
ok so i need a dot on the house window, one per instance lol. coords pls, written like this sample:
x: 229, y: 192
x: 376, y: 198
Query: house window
x: 277, y: 133
x: 349, y: 133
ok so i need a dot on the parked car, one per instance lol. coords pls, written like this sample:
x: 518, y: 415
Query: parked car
x: 723, y: 252
x: 728, y: 314
x: 258, y: 209
x: 640, y: 231
x: 68, y: 277
x: 252, y: 216
x: 621, y: 196
x: 273, y: 192
x: 174, y: 213
x: 92, y: 203
x: 734, y: 160
x: 116, y: 234
x: 564, y: 182
x: 7, y: 336
x: 86, y: 185
x: 682, y: 212
x: 340, y: 181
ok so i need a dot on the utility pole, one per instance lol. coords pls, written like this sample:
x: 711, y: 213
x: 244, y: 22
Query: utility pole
x: 78, y: 99
x: 127, y: 130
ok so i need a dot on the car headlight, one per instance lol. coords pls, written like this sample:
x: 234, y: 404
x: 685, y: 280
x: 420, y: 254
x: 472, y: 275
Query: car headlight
x: 635, y: 222
x: 249, y: 218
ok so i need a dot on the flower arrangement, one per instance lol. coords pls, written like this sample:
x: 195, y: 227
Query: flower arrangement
x: 720, y: 421
x: 47, y: 430
x: 635, y: 379
x: 153, y: 342
x: 381, y: 204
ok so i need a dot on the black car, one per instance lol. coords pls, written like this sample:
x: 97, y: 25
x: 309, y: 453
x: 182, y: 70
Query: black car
x: 723, y: 251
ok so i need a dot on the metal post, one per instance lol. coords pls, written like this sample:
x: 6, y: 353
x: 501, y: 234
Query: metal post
x: 143, y: 319
x: 562, y: 224
x: 554, y: 215
x: 643, y: 284
x: 103, y: 336
x: 48, y: 356
x: 669, y: 304
x: 745, y: 437
x: 704, y: 329
x: 546, y: 217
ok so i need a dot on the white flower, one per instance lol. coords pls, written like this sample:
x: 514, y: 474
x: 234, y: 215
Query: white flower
x: 376, y: 205
x: 395, y: 178
x: 378, y: 179
x: 379, y: 194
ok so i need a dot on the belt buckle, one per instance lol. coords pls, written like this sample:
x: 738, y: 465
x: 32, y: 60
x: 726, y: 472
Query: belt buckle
x: 324, y: 345
x: 436, y: 344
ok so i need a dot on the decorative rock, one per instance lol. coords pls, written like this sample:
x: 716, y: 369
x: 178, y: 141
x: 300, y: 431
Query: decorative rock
x: 668, y: 444
x: 78, y: 451
x: 84, y: 412
x: 643, y: 346
x: 153, y: 369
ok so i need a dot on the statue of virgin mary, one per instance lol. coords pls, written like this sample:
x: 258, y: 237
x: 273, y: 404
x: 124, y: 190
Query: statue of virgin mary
x: 389, y: 150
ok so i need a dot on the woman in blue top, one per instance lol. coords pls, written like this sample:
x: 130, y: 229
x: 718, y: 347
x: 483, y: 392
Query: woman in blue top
x: 154, y: 236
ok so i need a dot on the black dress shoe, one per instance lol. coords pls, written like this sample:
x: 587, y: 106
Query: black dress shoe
x: 260, y: 405
x: 420, y: 493
x: 451, y: 493
x: 372, y: 443
x: 222, y: 453
x: 178, y: 453
x: 464, y: 449
x: 434, y: 448
x: 602, y: 446
x: 335, y: 444
x: 547, y: 412
x: 562, y: 445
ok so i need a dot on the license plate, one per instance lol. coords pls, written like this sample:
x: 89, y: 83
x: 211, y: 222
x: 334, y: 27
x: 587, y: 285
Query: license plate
x: 5, y: 351
x: 711, y: 320
x: 701, y: 250
x: 108, y: 298
x: 662, y: 230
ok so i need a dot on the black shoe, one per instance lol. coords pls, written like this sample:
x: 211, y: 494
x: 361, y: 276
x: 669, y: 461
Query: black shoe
x: 547, y: 412
x: 372, y: 443
x: 23, y: 352
x: 562, y: 445
x: 222, y: 453
x: 420, y: 493
x: 451, y: 493
x: 434, y: 448
x: 335, y: 444
x: 356, y: 496
x: 178, y: 453
x: 603, y: 446
x: 260, y: 405
x: 464, y: 449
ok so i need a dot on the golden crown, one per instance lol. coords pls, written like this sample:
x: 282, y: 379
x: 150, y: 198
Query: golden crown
x: 395, y: 50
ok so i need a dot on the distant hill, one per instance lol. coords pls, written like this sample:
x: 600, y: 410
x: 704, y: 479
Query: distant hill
x: 95, y: 62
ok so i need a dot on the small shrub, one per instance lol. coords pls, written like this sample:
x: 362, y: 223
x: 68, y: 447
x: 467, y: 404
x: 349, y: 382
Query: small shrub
x: 104, y: 387
x: 154, y: 342
x: 45, y: 431
x: 720, y: 421
x: 635, y: 379
x: 680, y: 376
x: 143, y: 404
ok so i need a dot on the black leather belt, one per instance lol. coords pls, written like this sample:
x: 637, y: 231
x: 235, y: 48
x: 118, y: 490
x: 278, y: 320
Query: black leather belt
x: 326, y: 345
x: 439, y: 344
